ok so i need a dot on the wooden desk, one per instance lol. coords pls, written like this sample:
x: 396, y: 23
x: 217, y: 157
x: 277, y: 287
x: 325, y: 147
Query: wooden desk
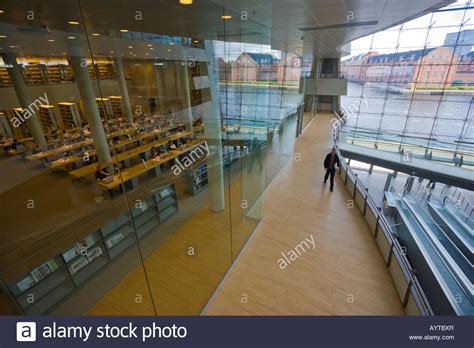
x: 57, y: 151
x: 90, y: 169
x: 145, y: 135
x: 133, y: 172
x: 63, y: 162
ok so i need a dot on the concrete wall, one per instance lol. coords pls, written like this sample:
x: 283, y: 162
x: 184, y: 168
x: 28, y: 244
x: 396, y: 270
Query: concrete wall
x: 332, y: 87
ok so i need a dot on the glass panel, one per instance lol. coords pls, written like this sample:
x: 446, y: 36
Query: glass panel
x: 65, y: 243
x: 175, y: 168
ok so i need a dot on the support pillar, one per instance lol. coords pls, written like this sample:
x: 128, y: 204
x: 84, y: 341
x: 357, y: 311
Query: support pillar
x: 160, y: 85
x: 23, y: 95
x: 123, y: 89
x: 188, y: 111
x: 212, y: 133
x: 388, y: 182
x: 86, y: 90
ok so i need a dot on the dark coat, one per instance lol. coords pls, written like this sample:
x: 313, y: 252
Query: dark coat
x: 327, y: 160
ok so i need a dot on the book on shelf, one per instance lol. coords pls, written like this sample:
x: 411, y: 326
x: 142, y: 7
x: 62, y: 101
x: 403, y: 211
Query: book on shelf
x: 26, y: 283
x: 44, y: 270
x: 80, y: 247
x: 94, y: 253
x: 37, y: 274
x: 114, y: 240
x: 164, y: 193
x: 70, y: 254
x: 77, y: 265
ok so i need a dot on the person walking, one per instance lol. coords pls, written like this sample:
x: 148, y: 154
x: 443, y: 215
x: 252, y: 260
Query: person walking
x: 330, y: 166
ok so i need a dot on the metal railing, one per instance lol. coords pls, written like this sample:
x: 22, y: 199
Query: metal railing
x: 461, y: 202
x: 396, y: 252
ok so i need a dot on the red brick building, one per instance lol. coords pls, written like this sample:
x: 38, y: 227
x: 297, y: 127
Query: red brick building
x: 465, y: 70
x: 252, y: 67
x: 431, y: 66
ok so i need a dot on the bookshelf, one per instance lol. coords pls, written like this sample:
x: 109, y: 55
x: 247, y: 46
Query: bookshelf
x: 49, y: 118
x: 54, y: 280
x: 58, y: 73
x: 34, y: 74
x: 105, y: 71
x: 116, y: 102
x: 4, y: 78
x: 105, y: 107
x: 54, y: 74
x: 196, y: 179
x: 70, y: 115
x: 23, y: 129
x: 5, y: 128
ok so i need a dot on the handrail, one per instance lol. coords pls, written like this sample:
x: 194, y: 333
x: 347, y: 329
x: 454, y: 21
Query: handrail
x: 447, y: 259
x: 405, y: 265
x: 457, y: 216
x: 458, y: 194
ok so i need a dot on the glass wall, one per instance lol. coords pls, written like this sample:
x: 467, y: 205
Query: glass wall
x: 135, y: 150
x: 410, y: 87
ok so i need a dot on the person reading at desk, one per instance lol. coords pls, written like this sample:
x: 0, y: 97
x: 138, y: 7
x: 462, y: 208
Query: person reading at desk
x: 172, y: 146
x: 156, y: 151
x: 198, y: 122
x: 101, y: 174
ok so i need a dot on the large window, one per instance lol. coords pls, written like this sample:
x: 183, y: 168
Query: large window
x: 411, y: 86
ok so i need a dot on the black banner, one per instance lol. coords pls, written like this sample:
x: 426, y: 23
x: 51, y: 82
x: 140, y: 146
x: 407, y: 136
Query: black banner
x: 449, y: 332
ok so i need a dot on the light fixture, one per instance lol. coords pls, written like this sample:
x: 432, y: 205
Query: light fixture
x: 112, y: 52
x: 169, y: 50
x: 3, y: 36
x: 171, y: 43
x: 11, y: 46
x: 186, y: 2
x: 2, y: 11
x: 73, y: 23
x: 150, y: 45
x: 226, y: 17
x: 196, y: 41
x: 124, y: 30
x: 151, y: 49
x: 130, y: 52
x: 95, y: 34
x: 71, y: 37
x: 130, y: 46
x: 50, y: 40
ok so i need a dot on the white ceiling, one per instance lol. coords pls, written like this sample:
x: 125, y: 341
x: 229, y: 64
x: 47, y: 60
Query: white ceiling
x: 307, y: 27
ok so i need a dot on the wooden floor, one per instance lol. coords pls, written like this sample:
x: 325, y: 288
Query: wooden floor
x: 343, y: 275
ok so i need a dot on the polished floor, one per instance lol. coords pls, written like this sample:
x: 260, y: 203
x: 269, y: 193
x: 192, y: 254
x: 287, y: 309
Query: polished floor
x: 343, y: 274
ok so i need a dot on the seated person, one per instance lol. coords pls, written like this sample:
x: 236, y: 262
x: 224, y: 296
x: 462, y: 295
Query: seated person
x: 156, y: 151
x: 171, y: 146
x: 12, y: 146
x: 101, y: 174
